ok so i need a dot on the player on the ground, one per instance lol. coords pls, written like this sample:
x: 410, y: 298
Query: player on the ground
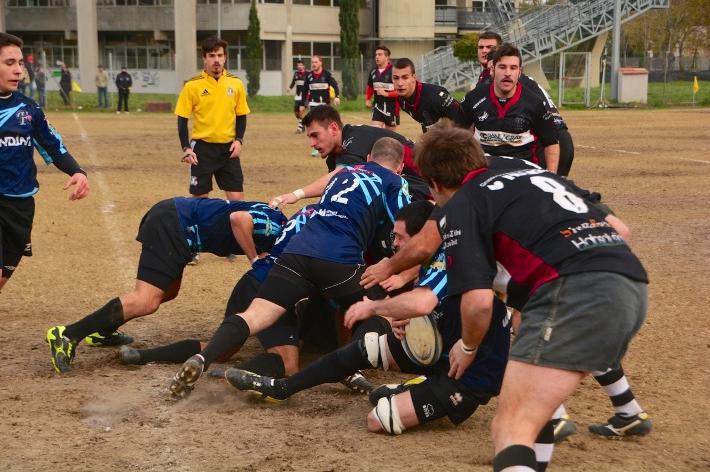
x: 170, y: 232
x: 23, y: 127
x: 346, y: 145
x: 509, y: 118
x: 325, y: 257
x: 405, y: 406
x: 426, y: 103
x: 385, y: 109
x: 566, y: 245
x: 299, y: 98
x: 217, y: 101
x: 488, y: 41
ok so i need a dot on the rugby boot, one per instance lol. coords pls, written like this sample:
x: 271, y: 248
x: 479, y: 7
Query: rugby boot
x: 184, y: 381
x: 129, y: 356
x: 387, y: 390
x: 114, y: 339
x: 358, y: 383
x: 260, y: 384
x: 619, y: 426
x: 564, y: 428
x: 62, y: 349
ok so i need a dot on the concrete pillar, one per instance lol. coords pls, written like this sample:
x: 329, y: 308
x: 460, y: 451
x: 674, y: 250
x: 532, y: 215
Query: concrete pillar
x: 287, y: 50
x: 534, y: 70
x: 2, y: 16
x: 88, y: 43
x: 185, y: 40
x: 596, y: 65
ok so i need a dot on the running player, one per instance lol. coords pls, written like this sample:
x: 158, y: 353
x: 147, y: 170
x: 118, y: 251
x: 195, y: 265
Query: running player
x: 346, y: 145
x: 509, y: 118
x: 325, y: 257
x: 318, y: 83
x: 169, y: 232
x: 299, y: 102
x: 405, y: 406
x: 426, y: 103
x: 217, y: 101
x: 385, y: 109
x: 22, y: 127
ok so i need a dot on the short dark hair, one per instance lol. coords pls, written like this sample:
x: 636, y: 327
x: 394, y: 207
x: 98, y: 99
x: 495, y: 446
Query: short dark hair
x: 300, y: 62
x: 387, y: 150
x: 446, y: 153
x: 385, y: 49
x: 9, y: 40
x: 491, y: 35
x: 504, y: 50
x: 213, y: 43
x: 403, y: 63
x: 324, y: 115
x: 415, y: 215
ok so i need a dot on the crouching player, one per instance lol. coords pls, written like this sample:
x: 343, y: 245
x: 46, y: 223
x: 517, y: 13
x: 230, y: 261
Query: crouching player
x: 170, y: 232
x: 439, y: 394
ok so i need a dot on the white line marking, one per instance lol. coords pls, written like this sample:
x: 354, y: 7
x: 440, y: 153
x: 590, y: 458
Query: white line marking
x: 701, y: 161
x: 106, y: 205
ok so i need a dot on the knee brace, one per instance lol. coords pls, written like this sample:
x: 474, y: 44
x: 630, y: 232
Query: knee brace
x: 376, y: 350
x: 387, y: 414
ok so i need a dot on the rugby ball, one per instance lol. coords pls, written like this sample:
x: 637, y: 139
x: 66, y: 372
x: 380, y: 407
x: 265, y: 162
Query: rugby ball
x: 422, y: 341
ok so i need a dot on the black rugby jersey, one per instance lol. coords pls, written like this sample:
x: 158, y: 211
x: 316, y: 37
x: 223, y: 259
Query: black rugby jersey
x: 357, y: 144
x: 429, y: 103
x: 316, y: 86
x: 514, y: 227
x: 382, y: 80
x: 512, y: 127
x: 299, y: 79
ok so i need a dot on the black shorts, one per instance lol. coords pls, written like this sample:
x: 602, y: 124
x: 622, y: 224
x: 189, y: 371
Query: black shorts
x: 165, y: 252
x: 294, y: 277
x: 386, y: 113
x: 16, y: 216
x: 298, y: 104
x: 213, y: 159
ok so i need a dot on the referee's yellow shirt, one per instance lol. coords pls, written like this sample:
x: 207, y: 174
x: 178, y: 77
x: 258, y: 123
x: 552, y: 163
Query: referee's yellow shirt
x: 214, y: 104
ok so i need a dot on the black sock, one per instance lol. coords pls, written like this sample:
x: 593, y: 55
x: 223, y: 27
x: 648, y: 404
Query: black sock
x: 176, y: 352
x: 333, y: 367
x: 267, y: 363
x: 515, y: 455
x: 104, y: 320
x: 232, y: 333
x: 544, y: 445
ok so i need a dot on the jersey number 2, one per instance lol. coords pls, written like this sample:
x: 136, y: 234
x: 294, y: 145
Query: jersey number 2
x: 338, y: 197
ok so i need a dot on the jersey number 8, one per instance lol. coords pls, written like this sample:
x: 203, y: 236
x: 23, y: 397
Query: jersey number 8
x: 560, y: 194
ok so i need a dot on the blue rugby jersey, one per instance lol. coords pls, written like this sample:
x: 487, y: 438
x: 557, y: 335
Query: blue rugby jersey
x: 205, y: 222
x: 343, y: 224
x: 486, y: 372
x: 23, y: 127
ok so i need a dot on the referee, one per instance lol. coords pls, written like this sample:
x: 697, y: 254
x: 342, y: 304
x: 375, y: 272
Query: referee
x: 217, y: 101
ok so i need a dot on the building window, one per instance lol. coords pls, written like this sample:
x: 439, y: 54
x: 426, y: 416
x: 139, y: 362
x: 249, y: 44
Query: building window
x: 135, y: 50
x: 139, y: 3
x: 50, y: 49
x: 329, y: 52
x: 324, y: 3
x: 37, y: 3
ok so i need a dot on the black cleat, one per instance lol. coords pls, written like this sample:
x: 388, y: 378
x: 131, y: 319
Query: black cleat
x: 387, y: 390
x: 62, y: 349
x: 184, y: 381
x: 249, y: 381
x: 620, y: 426
x: 564, y: 428
x: 129, y: 356
x: 358, y: 383
x: 114, y: 339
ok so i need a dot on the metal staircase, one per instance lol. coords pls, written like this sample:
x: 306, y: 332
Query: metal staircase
x: 538, y: 33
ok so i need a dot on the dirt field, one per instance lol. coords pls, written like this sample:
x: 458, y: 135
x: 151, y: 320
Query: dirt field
x: 653, y: 168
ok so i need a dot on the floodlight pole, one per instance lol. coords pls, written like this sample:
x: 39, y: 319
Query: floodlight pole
x: 219, y: 20
x: 615, y: 51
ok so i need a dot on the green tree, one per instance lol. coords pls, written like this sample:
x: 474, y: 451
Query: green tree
x: 349, y: 50
x: 465, y: 49
x: 254, y: 52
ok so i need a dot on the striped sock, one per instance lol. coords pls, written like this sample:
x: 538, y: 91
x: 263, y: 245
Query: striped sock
x: 544, y: 445
x: 515, y: 458
x: 614, y: 383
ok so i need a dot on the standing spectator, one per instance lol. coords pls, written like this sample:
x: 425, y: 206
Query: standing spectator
x: 23, y: 128
x: 30, y: 66
x: 24, y: 80
x: 217, y: 102
x: 101, y: 81
x: 124, y: 82
x: 65, y: 84
x: 41, y: 83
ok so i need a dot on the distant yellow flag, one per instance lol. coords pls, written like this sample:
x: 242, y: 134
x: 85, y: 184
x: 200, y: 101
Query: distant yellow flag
x: 696, y: 87
x: 75, y: 86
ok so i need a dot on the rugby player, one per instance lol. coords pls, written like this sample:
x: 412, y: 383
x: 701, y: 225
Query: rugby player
x: 325, y: 257
x: 385, y: 109
x: 299, y: 102
x: 318, y: 83
x: 170, y: 232
x: 404, y: 406
x: 22, y: 128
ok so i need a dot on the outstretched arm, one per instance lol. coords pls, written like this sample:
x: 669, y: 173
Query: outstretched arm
x: 314, y: 189
x: 243, y: 228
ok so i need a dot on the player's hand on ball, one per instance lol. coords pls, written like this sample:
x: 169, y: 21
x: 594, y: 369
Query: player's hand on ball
x: 398, y: 328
